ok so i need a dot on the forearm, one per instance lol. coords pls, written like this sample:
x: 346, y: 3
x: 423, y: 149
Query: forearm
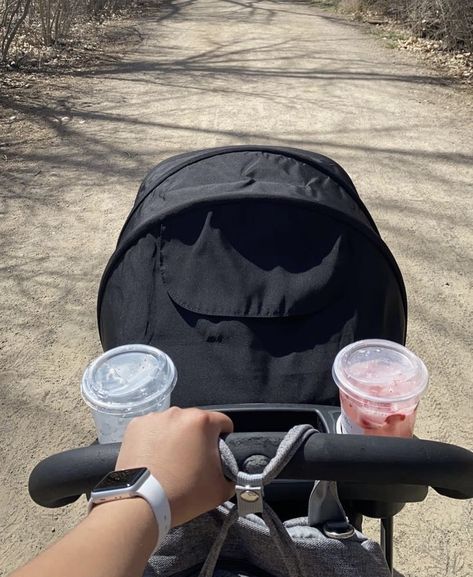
x: 179, y: 447
x: 116, y: 539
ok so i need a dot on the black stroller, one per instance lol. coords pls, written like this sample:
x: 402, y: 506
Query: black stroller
x: 251, y: 267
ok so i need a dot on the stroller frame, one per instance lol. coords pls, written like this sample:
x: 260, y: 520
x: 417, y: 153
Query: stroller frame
x: 375, y: 476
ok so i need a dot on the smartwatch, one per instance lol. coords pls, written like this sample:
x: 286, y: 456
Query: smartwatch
x: 130, y: 483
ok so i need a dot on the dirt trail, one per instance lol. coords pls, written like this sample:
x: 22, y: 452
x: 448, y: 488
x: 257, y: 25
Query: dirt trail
x: 221, y: 72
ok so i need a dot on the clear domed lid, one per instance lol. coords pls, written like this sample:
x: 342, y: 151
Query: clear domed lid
x: 128, y: 378
x: 379, y: 370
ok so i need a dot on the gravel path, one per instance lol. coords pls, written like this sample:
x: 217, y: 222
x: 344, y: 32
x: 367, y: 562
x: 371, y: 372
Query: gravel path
x: 210, y: 73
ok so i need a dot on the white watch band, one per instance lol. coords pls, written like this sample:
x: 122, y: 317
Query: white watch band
x: 152, y: 491
x: 154, y: 494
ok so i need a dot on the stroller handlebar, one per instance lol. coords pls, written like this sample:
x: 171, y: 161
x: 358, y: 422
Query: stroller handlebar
x: 355, y: 459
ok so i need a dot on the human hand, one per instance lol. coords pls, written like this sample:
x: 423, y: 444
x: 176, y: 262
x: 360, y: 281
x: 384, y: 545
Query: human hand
x: 180, y: 448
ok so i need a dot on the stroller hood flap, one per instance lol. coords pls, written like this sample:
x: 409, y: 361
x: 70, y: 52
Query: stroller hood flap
x: 254, y: 258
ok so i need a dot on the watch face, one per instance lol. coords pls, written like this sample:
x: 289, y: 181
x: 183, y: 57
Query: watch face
x: 120, y: 479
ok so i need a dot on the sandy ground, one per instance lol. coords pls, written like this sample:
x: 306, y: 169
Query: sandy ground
x: 221, y: 72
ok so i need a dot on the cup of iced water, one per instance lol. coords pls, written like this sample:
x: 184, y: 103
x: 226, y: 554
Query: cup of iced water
x: 127, y: 382
x: 380, y: 385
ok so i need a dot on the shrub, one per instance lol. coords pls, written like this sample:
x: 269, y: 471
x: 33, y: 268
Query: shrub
x: 47, y: 22
x: 448, y: 20
x: 13, y: 13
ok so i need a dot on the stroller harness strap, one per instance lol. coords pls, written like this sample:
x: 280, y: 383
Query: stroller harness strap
x: 252, y: 485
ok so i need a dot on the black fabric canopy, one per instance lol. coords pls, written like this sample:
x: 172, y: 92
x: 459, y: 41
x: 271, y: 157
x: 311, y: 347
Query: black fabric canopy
x: 251, y: 267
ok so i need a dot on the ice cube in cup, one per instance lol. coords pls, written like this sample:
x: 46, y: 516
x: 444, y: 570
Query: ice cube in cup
x: 127, y: 382
x: 380, y: 385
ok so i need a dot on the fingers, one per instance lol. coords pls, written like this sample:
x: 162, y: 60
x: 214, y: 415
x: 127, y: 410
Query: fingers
x: 224, y: 423
x: 192, y: 417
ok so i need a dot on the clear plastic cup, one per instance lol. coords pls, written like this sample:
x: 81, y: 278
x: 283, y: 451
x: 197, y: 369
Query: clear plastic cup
x: 126, y: 382
x: 380, y: 385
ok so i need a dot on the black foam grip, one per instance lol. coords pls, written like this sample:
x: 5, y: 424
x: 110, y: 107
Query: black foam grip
x: 62, y: 478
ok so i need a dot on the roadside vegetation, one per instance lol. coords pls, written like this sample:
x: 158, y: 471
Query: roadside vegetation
x: 448, y: 21
x: 439, y: 30
x: 35, y: 30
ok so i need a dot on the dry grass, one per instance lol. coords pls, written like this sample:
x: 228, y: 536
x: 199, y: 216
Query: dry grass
x: 449, y: 21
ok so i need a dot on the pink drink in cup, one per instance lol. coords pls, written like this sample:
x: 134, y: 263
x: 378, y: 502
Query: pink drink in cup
x: 380, y: 384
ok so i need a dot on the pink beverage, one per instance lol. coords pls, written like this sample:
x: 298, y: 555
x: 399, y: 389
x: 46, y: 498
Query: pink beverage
x: 380, y: 384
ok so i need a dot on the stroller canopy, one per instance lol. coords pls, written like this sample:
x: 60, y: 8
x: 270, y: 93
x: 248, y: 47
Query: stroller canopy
x: 251, y: 267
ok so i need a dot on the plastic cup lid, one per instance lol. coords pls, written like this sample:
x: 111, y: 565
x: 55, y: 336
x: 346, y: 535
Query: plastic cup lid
x: 128, y: 379
x: 379, y: 370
